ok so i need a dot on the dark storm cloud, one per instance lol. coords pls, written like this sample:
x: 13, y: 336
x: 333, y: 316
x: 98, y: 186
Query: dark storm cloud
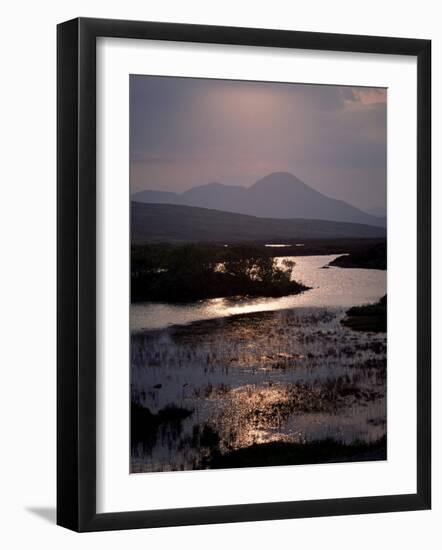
x: 187, y: 132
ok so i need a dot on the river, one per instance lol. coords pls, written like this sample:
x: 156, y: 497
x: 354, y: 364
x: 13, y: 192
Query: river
x: 330, y: 287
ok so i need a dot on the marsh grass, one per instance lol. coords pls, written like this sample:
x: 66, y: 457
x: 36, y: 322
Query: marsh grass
x: 222, y: 386
x: 368, y: 318
x: 145, y: 425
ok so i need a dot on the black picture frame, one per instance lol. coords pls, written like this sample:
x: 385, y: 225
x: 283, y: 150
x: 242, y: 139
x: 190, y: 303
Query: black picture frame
x: 76, y: 274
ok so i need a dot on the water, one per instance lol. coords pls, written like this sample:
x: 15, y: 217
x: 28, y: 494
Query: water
x: 330, y: 287
x: 220, y: 376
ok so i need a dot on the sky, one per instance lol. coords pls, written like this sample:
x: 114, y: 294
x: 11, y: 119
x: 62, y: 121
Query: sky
x: 186, y: 132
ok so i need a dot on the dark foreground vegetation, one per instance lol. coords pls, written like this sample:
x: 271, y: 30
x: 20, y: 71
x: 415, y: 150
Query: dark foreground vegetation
x: 370, y: 257
x: 284, y: 454
x: 180, y: 273
x: 369, y: 318
x: 144, y: 425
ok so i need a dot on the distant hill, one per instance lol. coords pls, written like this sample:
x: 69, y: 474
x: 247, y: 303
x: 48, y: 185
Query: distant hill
x: 380, y: 213
x: 175, y: 223
x: 377, y: 211
x: 278, y: 195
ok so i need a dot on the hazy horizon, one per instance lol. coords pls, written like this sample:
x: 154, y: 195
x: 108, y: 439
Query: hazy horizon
x: 187, y: 132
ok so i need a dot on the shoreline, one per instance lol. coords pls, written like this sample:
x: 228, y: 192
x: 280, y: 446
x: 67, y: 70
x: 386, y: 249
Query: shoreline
x: 231, y: 317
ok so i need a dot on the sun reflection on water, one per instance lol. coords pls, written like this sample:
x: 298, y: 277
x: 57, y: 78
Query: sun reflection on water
x: 333, y: 287
x: 289, y: 376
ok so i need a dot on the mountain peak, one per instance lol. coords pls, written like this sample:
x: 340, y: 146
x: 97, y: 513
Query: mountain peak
x: 278, y: 195
x: 280, y: 180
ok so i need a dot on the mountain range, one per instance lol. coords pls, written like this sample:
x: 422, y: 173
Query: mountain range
x: 279, y: 195
x: 178, y: 223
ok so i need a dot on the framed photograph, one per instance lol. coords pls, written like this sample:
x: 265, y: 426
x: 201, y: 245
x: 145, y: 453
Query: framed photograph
x: 236, y: 341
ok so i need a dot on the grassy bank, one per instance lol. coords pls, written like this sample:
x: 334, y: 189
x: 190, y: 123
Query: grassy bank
x: 285, y: 454
x: 371, y: 257
x: 369, y: 318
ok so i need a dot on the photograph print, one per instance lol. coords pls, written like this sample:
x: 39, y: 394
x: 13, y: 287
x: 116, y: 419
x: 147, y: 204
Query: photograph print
x: 258, y: 314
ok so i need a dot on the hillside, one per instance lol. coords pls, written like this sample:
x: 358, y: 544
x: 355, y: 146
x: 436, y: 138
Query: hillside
x: 278, y: 195
x: 176, y: 223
